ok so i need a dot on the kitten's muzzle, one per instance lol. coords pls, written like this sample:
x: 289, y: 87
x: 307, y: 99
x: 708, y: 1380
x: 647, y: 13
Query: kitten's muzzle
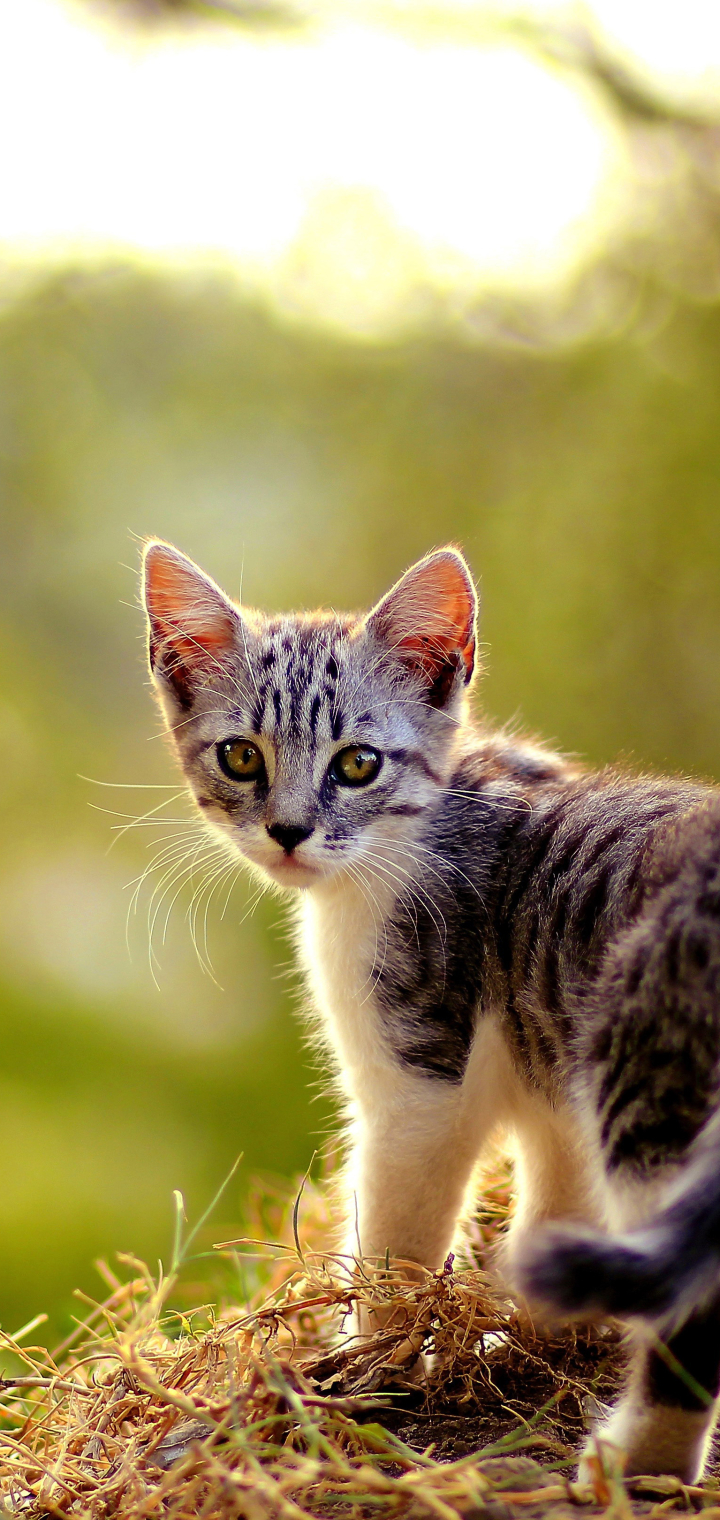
x: 289, y: 835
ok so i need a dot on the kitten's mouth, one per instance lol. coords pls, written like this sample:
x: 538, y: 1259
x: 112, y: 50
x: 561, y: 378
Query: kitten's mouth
x: 290, y: 872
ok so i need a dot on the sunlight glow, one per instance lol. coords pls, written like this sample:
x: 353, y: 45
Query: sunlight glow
x: 446, y: 163
x: 678, y: 47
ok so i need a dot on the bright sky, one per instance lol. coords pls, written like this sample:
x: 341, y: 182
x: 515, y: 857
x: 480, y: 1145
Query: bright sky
x: 345, y: 170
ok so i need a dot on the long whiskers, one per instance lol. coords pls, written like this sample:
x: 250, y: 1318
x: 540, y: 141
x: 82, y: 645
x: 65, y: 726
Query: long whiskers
x: 355, y: 874
x: 440, y: 712
x: 139, y: 820
x: 185, y: 853
x: 173, y: 881
x: 173, y: 846
x: 224, y: 871
x: 131, y: 786
x: 405, y: 848
x: 396, y: 873
x: 252, y: 905
x: 521, y: 804
x: 409, y: 846
x: 379, y: 874
x: 182, y: 854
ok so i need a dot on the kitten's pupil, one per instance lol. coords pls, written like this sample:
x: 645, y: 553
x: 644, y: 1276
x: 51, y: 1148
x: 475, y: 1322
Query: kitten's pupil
x: 356, y: 766
x: 240, y: 760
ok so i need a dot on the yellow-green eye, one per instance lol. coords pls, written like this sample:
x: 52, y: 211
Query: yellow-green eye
x: 356, y: 765
x: 240, y: 760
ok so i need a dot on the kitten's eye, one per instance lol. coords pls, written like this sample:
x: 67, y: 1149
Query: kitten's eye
x: 240, y: 760
x: 356, y: 765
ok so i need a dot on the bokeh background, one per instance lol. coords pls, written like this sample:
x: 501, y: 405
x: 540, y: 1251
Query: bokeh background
x: 307, y: 290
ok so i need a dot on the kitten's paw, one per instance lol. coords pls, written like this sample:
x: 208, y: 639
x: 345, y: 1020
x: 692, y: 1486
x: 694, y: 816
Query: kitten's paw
x: 600, y: 1460
x: 650, y: 1439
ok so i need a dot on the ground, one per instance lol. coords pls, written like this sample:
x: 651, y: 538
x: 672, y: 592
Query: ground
x: 457, y: 1406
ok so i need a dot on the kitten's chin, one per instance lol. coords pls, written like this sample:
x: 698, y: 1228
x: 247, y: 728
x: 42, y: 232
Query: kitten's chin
x: 292, y: 873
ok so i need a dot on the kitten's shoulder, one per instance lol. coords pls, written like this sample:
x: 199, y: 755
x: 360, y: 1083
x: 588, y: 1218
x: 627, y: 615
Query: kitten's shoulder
x: 502, y: 758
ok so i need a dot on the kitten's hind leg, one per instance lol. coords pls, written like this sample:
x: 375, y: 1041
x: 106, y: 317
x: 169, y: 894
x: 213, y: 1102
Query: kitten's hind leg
x: 648, y: 1057
x: 554, y: 1175
x: 665, y: 1419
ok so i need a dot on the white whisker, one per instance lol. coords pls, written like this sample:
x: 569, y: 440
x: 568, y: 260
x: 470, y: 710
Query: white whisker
x: 132, y: 786
x: 372, y: 978
x: 260, y: 893
x: 414, y: 887
x: 175, y: 878
x: 135, y: 820
x: 207, y: 891
x: 177, y: 844
x: 492, y: 803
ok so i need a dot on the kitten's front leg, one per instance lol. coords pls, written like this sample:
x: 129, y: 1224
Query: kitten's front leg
x: 417, y: 1142
x: 416, y: 1133
x: 410, y: 1169
x: 412, y: 1163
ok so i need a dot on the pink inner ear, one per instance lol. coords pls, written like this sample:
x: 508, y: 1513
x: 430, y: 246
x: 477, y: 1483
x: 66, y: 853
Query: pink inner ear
x: 430, y: 615
x: 189, y: 614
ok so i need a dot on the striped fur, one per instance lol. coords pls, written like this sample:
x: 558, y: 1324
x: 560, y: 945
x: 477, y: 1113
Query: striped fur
x: 493, y: 939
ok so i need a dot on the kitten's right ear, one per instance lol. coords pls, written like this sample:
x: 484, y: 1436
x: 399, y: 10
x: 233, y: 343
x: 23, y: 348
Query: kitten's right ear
x: 192, y: 627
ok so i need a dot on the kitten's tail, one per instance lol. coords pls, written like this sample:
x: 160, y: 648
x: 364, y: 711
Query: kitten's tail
x: 659, y: 1272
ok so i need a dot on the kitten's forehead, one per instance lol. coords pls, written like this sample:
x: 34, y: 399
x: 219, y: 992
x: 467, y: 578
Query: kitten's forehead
x: 306, y: 671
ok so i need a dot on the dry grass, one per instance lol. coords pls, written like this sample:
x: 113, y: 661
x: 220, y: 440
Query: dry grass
x: 271, y: 1410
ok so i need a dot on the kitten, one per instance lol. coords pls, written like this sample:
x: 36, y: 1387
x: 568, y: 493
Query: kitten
x: 492, y: 938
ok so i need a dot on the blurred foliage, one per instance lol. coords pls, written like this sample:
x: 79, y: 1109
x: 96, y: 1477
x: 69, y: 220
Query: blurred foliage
x: 583, y: 482
x: 253, y: 15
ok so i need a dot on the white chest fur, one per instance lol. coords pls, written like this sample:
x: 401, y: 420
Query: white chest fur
x: 343, y: 947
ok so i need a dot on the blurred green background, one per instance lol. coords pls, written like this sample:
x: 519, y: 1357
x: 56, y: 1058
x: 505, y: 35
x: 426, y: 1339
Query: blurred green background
x: 578, y: 466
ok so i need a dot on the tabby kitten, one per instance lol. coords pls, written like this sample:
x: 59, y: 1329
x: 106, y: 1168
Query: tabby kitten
x: 493, y: 939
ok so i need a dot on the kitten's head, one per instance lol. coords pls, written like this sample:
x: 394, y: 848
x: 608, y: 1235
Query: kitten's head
x: 304, y: 738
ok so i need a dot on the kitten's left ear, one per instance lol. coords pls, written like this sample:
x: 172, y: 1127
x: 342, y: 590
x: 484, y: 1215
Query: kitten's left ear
x: 428, y: 621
